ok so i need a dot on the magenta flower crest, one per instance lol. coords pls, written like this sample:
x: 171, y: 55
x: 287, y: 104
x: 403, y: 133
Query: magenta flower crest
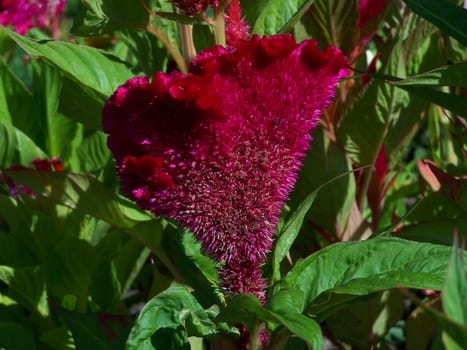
x: 218, y: 149
x: 25, y: 14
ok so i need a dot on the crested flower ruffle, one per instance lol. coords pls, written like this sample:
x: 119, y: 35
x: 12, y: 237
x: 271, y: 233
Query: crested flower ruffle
x: 25, y: 14
x: 218, y: 149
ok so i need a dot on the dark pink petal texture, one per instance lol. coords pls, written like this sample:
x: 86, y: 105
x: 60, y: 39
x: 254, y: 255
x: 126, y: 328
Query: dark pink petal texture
x: 236, y: 26
x: 218, y: 149
x: 368, y: 9
x: 25, y: 14
x: 193, y: 7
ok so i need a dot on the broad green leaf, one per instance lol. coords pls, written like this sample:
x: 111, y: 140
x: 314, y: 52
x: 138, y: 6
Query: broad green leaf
x: 288, y: 27
x: 448, y: 17
x: 246, y: 309
x: 454, y: 75
x: 275, y: 14
x: 457, y: 332
x: 96, y: 72
x: 129, y: 263
x: 454, y: 292
x: 27, y: 286
x: 455, y: 103
x: 334, y: 22
x: 68, y: 278
x: 15, y: 99
x: 78, y: 105
x: 437, y: 231
x: 59, y: 338
x: 364, y: 321
x: 331, y: 208
x: 165, y: 316
x: 148, y: 50
x: 93, y: 152
x: 98, y: 17
x: 198, y: 270
x: 387, y: 102
x: 51, y: 130
x: 363, y: 267
x: 16, y: 336
x: 12, y: 252
x: 16, y: 147
x: 86, y: 330
x: 79, y: 192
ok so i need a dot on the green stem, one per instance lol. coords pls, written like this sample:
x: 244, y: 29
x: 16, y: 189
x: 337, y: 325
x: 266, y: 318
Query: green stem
x: 255, y: 343
x: 188, y: 45
x: 173, y: 51
x: 219, y: 23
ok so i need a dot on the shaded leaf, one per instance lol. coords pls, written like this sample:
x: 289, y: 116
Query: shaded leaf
x: 362, y: 267
x: 16, y: 147
x: 453, y: 75
x: 98, y: 73
x: 165, y: 315
x: 98, y: 17
x: 275, y: 14
x: 448, y: 17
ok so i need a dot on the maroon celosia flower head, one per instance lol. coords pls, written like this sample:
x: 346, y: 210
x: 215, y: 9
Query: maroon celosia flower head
x: 193, y: 7
x: 218, y: 149
x: 25, y: 14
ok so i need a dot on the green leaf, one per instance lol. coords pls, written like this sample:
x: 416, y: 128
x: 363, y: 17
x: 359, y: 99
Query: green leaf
x: 148, y: 50
x: 80, y: 106
x: 50, y: 130
x: 246, y: 309
x: 331, y: 208
x: 198, y: 270
x: 68, y: 277
x: 16, y: 336
x: 454, y: 292
x: 364, y: 321
x: 80, y: 192
x: 86, y: 330
x: 16, y: 147
x: 59, y: 338
x: 455, y: 103
x: 334, y: 22
x: 456, y: 331
x: 93, y: 152
x: 360, y: 268
x: 453, y: 75
x: 288, y: 27
x: 15, y: 99
x: 12, y: 252
x: 437, y: 231
x: 448, y: 17
x: 165, y: 316
x: 275, y: 14
x: 98, y: 17
x: 96, y: 72
x: 27, y: 286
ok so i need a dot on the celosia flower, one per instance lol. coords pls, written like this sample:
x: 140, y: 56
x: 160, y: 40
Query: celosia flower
x: 193, y: 7
x: 235, y: 26
x: 25, y: 14
x: 218, y: 149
